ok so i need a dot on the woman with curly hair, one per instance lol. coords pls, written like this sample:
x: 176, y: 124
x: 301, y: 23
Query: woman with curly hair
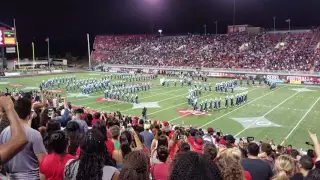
x: 94, y: 162
x: 193, y: 166
x: 229, y: 164
x: 284, y: 167
x: 135, y: 166
x: 52, y: 165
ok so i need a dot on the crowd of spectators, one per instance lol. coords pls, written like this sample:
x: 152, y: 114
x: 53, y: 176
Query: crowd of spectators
x: 82, y: 144
x: 282, y: 51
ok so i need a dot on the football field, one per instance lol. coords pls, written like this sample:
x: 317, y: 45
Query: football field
x: 287, y: 111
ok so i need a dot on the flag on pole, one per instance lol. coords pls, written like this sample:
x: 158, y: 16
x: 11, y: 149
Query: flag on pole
x: 288, y: 20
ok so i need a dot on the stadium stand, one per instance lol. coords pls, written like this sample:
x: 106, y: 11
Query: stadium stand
x: 279, y: 51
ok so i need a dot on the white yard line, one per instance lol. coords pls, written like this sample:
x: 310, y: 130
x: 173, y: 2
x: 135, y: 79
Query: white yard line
x: 254, y: 122
x: 119, y: 102
x: 239, y: 108
x: 297, y: 125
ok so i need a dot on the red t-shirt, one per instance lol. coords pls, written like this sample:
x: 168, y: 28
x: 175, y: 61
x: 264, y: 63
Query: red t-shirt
x: 247, y: 175
x: 95, y: 120
x: 109, y: 145
x: 52, y: 167
x: 160, y: 171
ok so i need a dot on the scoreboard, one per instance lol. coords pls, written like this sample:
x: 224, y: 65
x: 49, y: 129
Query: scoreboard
x: 7, y: 37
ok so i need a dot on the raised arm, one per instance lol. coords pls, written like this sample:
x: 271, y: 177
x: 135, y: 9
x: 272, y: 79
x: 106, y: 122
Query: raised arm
x: 315, y: 141
x: 18, y: 135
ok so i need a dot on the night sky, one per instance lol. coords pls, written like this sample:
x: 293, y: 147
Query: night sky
x: 66, y: 22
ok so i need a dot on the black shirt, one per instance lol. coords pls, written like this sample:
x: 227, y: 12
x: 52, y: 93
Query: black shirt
x: 297, y: 176
x: 259, y: 169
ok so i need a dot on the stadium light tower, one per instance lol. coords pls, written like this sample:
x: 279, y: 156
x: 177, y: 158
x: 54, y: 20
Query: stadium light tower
x: 216, y: 22
x: 234, y: 14
x: 274, y: 23
x: 160, y: 32
x: 289, y: 23
x: 205, y: 29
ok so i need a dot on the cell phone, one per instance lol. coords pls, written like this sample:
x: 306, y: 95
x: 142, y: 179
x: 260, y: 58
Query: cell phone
x: 50, y: 111
x: 250, y: 139
x: 181, y: 137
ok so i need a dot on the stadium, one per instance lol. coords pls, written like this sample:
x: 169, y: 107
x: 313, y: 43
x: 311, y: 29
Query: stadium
x: 164, y: 106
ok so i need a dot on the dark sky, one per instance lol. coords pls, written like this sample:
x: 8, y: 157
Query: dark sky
x: 66, y: 22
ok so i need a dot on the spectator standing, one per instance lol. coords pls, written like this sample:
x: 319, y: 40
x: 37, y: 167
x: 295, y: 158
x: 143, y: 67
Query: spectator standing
x: 94, y: 161
x: 50, y: 128
x: 259, y: 169
x: 162, y: 141
x: 147, y: 136
x: 209, y: 136
x: 266, y: 150
x: 75, y: 137
x: 314, y: 174
x: 284, y: 167
x: 77, y: 114
x: 102, y: 128
x: 193, y: 166
x: 126, y: 141
x: 160, y: 171
x: 135, y: 166
x: 18, y: 138
x: 305, y: 165
x: 115, y: 133
x: 96, y: 117
x: 210, y: 151
x: 230, y: 167
x: 24, y: 165
x: 52, y: 165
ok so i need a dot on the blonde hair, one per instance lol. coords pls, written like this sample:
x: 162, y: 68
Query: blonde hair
x: 230, y: 164
x: 284, y: 167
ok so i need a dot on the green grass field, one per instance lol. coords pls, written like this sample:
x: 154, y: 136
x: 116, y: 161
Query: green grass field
x: 288, y: 111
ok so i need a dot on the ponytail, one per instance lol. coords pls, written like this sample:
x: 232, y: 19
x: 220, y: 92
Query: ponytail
x: 282, y: 175
x: 125, y: 143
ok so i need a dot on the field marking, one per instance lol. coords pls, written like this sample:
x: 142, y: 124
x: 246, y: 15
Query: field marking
x: 120, y: 103
x: 297, y: 125
x: 238, y: 108
x: 254, y: 122
x: 185, y: 103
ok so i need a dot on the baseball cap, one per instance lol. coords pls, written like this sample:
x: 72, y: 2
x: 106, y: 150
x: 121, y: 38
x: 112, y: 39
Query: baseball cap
x: 210, y: 130
x: 198, y: 144
x: 165, y: 123
x: 229, y: 138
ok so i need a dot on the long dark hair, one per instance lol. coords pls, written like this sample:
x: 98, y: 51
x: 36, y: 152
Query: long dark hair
x: 76, y: 137
x: 92, y: 159
x: 125, y: 142
x: 193, y: 166
x: 135, y: 166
